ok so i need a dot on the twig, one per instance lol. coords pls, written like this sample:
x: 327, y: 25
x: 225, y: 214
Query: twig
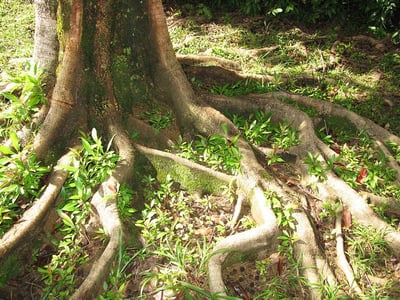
x: 341, y: 259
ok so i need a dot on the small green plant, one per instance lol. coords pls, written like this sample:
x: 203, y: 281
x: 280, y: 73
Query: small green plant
x: 259, y: 130
x: 330, y: 291
x: 192, y: 292
x: 114, y: 287
x: 395, y: 149
x: 243, y: 88
x: 369, y: 254
x: 286, y: 221
x: 178, y: 245
x: 329, y: 210
x: 158, y: 120
x: 325, y: 136
x: 124, y: 201
x: 216, y: 151
x: 284, y: 136
x: 364, y: 166
x: 316, y: 166
x: 92, y: 164
x: 19, y: 109
x: 20, y: 182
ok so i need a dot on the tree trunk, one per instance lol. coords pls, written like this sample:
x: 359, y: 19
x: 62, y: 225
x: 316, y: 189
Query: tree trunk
x: 116, y: 57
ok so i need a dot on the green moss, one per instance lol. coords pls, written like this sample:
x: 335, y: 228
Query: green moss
x: 64, y: 16
x: 122, y: 82
x: 190, y: 179
x: 130, y: 86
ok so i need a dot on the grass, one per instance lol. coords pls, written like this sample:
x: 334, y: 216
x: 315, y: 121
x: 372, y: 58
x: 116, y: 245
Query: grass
x: 349, y: 76
x: 16, y: 35
x: 175, y: 238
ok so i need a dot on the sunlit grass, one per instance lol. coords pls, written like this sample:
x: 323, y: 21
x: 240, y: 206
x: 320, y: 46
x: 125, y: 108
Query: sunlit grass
x: 16, y: 34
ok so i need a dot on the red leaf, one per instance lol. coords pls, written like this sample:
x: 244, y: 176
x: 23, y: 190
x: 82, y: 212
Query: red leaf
x: 361, y: 176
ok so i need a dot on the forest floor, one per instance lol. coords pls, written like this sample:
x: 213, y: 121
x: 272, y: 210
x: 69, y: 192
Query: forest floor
x: 357, y: 71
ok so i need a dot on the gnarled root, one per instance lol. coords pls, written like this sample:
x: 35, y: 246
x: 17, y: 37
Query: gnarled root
x: 104, y: 201
x: 261, y: 238
x: 331, y: 188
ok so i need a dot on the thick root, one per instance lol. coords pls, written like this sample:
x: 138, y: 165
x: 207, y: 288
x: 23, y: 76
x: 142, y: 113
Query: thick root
x: 249, y: 243
x: 105, y: 203
x: 314, y: 265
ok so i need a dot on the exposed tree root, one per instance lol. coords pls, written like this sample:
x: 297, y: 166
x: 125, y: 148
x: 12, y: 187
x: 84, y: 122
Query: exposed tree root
x: 207, y: 61
x: 23, y: 231
x: 105, y: 203
x: 314, y: 265
x: 222, y: 72
x: 263, y: 238
x: 205, y: 116
x: 190, y: 175
x: 252, y: 241
x: 333, y: 187
x: 64, y: 95
x: 390, y: 206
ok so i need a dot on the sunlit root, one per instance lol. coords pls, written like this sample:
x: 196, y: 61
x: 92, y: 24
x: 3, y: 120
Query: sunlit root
x: 104, y: 201
x: 190, y: 175
x: 389, y: 206
x: 315, y: 267
x: 63, y: 98
x: 262, y: 238
x: 332, y: 186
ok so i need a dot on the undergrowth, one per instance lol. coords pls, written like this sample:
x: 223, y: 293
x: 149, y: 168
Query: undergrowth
x: 91, y: 165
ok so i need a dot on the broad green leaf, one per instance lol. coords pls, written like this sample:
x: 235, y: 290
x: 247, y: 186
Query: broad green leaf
x: 235, y: 139
x: 86, y: 145
x: 67, y: 168
x: 70, y: 206
x: 66, y: 219
x: 14, y: 141
x: 33, y: 80
x: 6, y: 150
x: 11, y: 97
